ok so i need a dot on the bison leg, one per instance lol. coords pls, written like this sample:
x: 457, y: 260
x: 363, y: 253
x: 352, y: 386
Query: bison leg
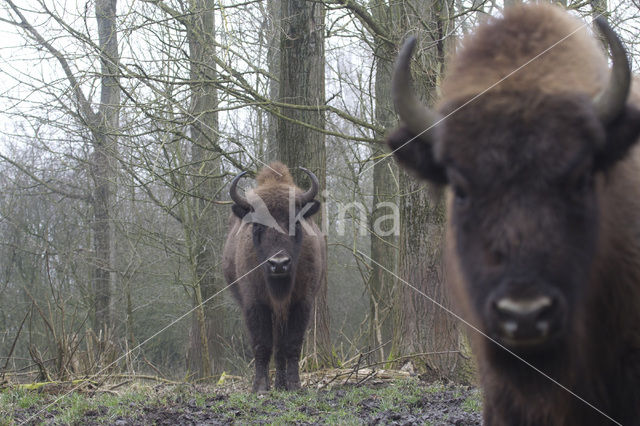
x: 259, y: 326
x: 280, y: 358
x: 292, y: 343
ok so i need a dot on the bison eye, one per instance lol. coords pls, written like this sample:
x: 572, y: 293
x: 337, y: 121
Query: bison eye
x: 460, y: 186
x: 461, y: 197
x: 585, y: 182
x: 580, y: 183
x: 257, y: 230
x: 298, y: 233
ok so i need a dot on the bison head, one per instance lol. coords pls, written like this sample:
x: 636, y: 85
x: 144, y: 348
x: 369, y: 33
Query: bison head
x: 525, y: 170
x: 277, y: 213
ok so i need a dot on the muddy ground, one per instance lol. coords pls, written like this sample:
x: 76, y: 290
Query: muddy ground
x: 400, y: 402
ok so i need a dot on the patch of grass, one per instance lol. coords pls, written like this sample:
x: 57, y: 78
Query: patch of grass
x: 291, y: 416
x: 72, y: 408
x: 341, y: 405
x: 435, y: 387
x: 355, y: 396
x: 13, y: 400
x: 243, y: 400
x: 106, y: 407
x: 21, y: 398
x: 399, y: 395
x: 342, y: 418
x: 200, y: 400
x: 218, y: 406
x: 473, y: 404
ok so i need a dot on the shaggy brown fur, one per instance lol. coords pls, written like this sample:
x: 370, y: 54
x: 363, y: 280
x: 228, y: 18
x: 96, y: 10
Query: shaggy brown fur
x: 276, y: 308
x: 501, y: 46
x: 277, y: 174
x: 545, y: 200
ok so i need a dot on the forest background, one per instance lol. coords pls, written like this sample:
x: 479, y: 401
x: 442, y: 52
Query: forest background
x: 122, y: 123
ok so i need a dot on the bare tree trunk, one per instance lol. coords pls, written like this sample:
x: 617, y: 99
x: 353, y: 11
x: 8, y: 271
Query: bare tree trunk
x: 206, y: 350
x: 273, y: 60
x: 302, y: 83
x: 383, y: 239
x: 383, y: 253
x: 105, y: 130
x: 130, y: 335
x: 421, y: 325
x: 102, y: 235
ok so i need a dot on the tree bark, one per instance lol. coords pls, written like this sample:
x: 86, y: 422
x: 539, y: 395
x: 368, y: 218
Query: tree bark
x: 206, y: 224
x: 385, y: 190
x: 421, y: 325
x: 104, y: 131
x: 273, y: 62
x: 302, y: 83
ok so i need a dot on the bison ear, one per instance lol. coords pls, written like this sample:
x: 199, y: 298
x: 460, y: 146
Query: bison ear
x: 416, y: 154
x: 239, y: 211
x: 313, y: 207
x: 621, y: 135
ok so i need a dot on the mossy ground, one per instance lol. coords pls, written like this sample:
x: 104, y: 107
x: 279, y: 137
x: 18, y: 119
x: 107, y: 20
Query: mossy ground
x: 406, y: 401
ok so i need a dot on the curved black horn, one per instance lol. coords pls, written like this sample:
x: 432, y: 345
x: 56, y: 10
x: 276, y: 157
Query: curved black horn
x: 313, y: 191
x: 412, y: 112
x: 233, y: 192
x: 610, y: 102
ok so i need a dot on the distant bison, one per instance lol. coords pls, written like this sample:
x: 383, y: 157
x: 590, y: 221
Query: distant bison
x: 537, y: 146
x: 278, y: 258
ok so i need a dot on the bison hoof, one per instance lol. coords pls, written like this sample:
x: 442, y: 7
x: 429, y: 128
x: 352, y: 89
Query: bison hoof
x: 261, y: 390
x: 260, y: 387
x: 281, y: 385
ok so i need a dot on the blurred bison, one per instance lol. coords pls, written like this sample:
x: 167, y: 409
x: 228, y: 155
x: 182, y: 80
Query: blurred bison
x: 537, y: 146
x: 275, y: 256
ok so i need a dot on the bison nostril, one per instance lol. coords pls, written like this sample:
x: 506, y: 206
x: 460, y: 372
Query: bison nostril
x: 543, y: 326
x: 510, y: 328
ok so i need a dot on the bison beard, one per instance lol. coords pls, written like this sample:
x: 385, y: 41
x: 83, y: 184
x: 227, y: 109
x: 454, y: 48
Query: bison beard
x: 276, y: 258
x: 543, y: 229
